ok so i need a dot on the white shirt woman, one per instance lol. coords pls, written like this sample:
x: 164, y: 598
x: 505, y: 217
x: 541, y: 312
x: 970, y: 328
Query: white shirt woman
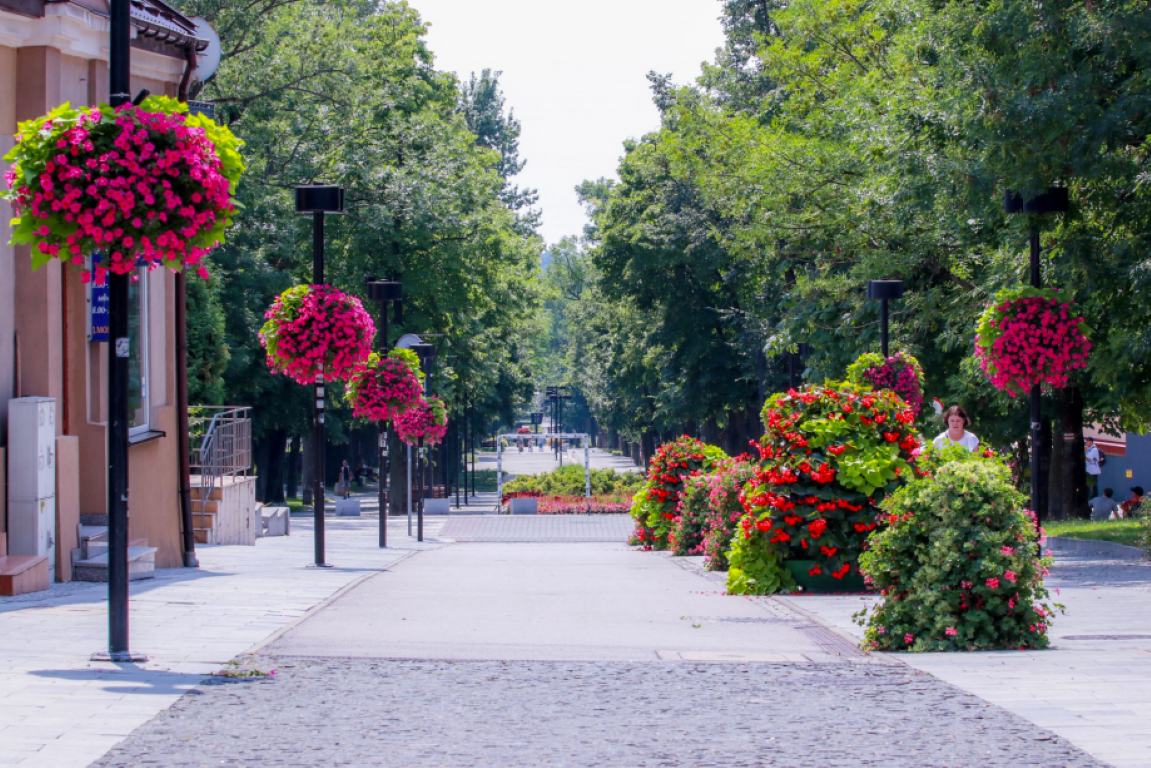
x: 956, y: 433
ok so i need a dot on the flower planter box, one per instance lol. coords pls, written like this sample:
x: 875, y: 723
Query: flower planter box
x: 823, y: 583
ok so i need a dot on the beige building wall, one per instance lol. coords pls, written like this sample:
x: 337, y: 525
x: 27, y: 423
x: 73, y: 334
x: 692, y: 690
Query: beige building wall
x: 43, y: 313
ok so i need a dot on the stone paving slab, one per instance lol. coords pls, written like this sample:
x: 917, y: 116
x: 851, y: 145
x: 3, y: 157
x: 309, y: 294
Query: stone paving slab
x: 1093, y: 687
x: 539, y: 528
x: 57, y: 708
x: 390, y: 712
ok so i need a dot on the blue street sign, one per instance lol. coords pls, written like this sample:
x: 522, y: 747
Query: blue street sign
x: 97, y: 307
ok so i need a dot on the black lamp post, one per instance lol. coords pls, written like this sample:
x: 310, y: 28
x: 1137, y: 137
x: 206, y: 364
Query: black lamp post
x: 119, y: 82
x: 318, y: 199
x: 385, y: 292
x: 885, y: 291
x: 427, y: 354
x: 1054, y: 200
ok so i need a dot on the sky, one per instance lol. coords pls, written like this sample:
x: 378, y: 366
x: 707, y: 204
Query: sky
x: 575, y: 75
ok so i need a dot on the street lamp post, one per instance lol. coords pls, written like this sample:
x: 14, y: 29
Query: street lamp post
x: 385, y: 292
x: 1054, y: 200
x: 319, y: 199
x: 427, y: 354
x: 885, y: 291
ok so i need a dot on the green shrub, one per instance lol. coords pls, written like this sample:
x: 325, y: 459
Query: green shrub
x: 724, y: 509
x: 569, y: 480
x: 756, y: 568
x: 654, y: 507
x: 686, y: 536
x: 957, y: 563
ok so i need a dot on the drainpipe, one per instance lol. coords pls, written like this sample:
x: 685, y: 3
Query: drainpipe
x: 183, y: 439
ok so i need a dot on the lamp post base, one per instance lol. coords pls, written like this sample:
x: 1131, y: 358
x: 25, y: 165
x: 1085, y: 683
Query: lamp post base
x: 131, y: 657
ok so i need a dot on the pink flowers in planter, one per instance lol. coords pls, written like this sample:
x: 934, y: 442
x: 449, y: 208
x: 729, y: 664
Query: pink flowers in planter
x: 314, y: 329
x: 427, y: 419
x: 146, y: 185
x: 1030, y: 336
x: 386, y: 386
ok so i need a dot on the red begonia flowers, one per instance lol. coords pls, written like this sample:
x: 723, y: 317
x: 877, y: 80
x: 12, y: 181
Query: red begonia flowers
x: 1030, y: 336
x: 146, y: 185
x: 386, y: 386
x: 315, y: 328
x: 427, y: 419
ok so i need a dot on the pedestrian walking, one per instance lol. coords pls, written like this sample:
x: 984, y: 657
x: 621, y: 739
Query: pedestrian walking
x: 956, y: 434
x: 1095, y: 459
x: 345, y: 480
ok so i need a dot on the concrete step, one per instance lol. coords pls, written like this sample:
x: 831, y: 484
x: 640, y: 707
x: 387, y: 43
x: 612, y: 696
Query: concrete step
x: 97, y: 547
x: 20, y: 574
x: 141, y: 565
x: 205, y: 519
x: 208, y: 507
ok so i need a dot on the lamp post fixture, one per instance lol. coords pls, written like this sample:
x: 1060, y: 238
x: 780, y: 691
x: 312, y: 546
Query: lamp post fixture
x: 427, y: 354
x: 319, y: 199
x: 885, y: 291
x: 385, y: 292
x: 1054, y: 200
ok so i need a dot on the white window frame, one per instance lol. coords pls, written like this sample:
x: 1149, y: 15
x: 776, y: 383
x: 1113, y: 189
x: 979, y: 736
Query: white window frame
x: 145, y: 354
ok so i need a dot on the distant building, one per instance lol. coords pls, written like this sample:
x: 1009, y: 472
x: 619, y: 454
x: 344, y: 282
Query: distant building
x: 53, y: 52
x: 1128, y: 461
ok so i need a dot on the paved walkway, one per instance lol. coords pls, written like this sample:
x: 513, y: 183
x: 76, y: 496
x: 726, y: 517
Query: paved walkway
x: 57, y: 708
x: 1093, y: 689
x: 577, y: 654
x: 539, y: 528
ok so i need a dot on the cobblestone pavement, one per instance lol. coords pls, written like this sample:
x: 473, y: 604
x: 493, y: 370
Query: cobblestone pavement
x: 538, y: 528
x: 385, y: 712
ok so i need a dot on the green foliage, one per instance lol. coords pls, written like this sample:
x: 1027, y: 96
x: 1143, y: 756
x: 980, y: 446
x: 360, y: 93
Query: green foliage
x: 957, y: 563
x: 686, y: 537
x: 569, y: 480
x: 756, y: 568
x: 208, y: 351
x: 1119, y: 531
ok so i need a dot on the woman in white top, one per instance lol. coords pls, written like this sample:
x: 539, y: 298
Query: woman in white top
x: 956, y: 433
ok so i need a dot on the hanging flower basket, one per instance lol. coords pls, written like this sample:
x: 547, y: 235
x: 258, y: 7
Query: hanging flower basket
x: 386, y: 386
x: 901, y: 373
x: 1030, y: 336
x: 315, y: 328
x: 427, y: 419
x: 147, y: 185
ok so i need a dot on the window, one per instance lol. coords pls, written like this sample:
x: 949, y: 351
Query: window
x: 138, y: 398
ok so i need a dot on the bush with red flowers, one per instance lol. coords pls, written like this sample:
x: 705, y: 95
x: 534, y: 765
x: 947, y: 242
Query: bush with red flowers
x: 148, y: 185
x: 687, y: 529
x: 830, y: 455
x: 901, y: 373
x: 654, y: 506
x: 1030, y: 336
x: 386, y: 386
x: 724, y: 509
x: 311, y: 329
x: 956, y: 563
x: 426, y: 418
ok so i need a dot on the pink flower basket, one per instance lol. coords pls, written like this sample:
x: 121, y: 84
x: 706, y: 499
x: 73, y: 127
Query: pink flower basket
x: 427, y: 419
x: 314, y: 329
x: 386, y: 386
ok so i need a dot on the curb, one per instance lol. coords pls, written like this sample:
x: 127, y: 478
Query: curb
x: 1064, y: 544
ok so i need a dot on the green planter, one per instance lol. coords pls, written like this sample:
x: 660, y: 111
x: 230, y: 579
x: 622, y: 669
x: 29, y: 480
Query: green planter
x: 824, y: 583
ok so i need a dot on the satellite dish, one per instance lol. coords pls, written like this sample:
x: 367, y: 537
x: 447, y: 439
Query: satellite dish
x: 209, y: 58
x: 407, y: 340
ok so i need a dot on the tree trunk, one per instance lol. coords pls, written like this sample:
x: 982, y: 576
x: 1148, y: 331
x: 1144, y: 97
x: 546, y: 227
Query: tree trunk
x: 270, y: 468
x: 307, y: 473
x: 1073, y: 476
x: 1044, y: 468
x: 647, y: 446
x: 397, y: 474
x: 1055, y: 472
x: 710, y: 432
x: 293, y: 481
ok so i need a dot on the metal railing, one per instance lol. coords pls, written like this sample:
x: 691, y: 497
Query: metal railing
x: 221, y: 446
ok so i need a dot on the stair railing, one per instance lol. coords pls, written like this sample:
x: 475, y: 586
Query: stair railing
x: 221, y: 447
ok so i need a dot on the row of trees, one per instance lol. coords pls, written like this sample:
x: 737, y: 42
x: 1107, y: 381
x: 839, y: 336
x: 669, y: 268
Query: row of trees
x: 836, y: 141
x: 346, y: 92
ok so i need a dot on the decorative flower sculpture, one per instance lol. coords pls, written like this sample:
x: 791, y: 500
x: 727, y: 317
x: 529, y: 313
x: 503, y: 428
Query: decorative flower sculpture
x: 427, y: 419
x: 386, y: 386
x: 1030, y: 336
x: 654, y: 506
x: 147, y: 185
x: 829, y: 456
x: 314, y: 329
x: 901, y: 373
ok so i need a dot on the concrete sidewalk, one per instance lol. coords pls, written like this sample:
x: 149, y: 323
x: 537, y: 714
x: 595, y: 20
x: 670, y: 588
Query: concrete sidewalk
x: 57, y: 708
x: 1093, y: 687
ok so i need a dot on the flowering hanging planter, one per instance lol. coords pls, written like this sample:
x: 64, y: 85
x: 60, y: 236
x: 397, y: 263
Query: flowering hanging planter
x: 427, y: 419
x: 314, y: 329
x: 901, y: 373
x: 147, y: 185
x: 1030, y: 336
x: 386, y: 386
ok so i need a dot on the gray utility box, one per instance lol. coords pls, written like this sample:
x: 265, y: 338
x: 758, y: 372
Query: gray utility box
x: 524, y: 506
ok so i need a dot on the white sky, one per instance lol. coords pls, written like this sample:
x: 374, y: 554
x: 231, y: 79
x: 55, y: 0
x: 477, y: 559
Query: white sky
x: 575, y: 75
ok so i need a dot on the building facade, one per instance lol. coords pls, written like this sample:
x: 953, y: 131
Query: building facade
x: 53, y: 52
